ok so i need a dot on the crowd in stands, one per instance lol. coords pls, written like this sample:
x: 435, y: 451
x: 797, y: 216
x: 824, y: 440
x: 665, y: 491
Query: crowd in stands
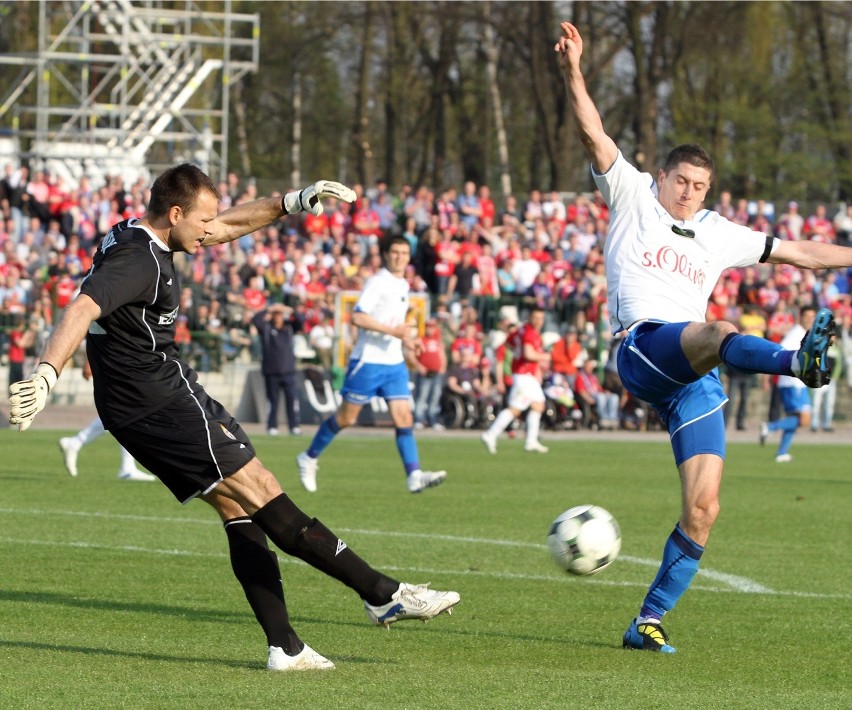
x: 473, y: 254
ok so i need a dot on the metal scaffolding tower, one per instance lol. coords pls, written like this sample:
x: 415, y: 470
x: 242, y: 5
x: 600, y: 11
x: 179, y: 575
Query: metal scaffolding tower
x: 123, y: 84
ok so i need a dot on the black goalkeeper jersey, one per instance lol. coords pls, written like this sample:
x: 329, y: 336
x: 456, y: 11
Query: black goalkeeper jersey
x: 131, y: 347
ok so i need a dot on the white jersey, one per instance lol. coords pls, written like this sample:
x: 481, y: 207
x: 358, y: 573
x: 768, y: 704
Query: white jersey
x: 385, y: 298
x: 792, y: 341
x: 653, y: 273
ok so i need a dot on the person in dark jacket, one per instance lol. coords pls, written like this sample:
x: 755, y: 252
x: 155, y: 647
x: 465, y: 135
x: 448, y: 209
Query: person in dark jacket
x: 276, y: 327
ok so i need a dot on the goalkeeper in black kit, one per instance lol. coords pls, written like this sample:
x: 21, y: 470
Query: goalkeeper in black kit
x: 154, y: 406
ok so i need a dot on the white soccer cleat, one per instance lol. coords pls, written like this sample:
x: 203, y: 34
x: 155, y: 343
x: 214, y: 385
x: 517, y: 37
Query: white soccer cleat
x: 306, y: 660
x: 420, y: 480
x: 308, y: 471
x: 783, y: 458
x: 69, y: 448
x: 490, y: 442
x: 135, y: 474
x: 535, y: 447
x: 412, y: 601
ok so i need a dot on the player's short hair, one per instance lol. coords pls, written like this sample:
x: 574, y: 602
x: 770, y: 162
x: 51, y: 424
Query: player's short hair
x: 179, y: 186
x: 397, y: 239
x: 692, y: 154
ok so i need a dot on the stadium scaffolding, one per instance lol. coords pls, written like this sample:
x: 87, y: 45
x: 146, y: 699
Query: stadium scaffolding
x: 113, y: 80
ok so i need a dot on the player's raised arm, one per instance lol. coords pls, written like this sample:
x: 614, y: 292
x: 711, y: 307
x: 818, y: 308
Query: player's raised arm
x: 600, y: 148
x: 248, y: 217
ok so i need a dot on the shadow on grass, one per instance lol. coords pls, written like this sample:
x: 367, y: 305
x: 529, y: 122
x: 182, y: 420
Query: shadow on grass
x: 194, y: 614
x: 87, y: 650
x: 442, y: 625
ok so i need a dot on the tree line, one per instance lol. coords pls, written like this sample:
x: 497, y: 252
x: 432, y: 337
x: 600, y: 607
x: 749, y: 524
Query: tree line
x: 439, y: 92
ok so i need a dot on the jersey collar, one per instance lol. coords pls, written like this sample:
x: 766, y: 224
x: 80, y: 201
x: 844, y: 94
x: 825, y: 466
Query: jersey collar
x: 154, y: 238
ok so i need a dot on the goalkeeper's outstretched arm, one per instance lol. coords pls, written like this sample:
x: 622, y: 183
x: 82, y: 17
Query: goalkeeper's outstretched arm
x: 248, y: 217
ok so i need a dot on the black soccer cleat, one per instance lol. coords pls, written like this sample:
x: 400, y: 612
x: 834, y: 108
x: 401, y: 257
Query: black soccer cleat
x: 813, y: 364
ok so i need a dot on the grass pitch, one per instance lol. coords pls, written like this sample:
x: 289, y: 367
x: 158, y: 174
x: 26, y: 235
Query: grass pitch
x: 115, y: 596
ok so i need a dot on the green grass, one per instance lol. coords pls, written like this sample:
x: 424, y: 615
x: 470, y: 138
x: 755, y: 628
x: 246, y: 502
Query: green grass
x: 113, y: 595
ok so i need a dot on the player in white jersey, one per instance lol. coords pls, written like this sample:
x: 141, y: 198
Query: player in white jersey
x: 794, y: 395
x: 377, y: 368
x: 664, y: 253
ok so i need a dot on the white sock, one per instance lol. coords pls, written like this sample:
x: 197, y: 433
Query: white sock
x: 795, y: 365
x: 533, y: 426
x: 91, y: 432
x: 501, y: 423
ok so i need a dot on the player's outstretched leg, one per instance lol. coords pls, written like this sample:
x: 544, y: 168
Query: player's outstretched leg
x: 309, y: 540
x: 813, y: 364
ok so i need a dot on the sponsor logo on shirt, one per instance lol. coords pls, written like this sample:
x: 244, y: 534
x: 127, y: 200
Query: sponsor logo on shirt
x: 671, y: 260
x: 169, y: 318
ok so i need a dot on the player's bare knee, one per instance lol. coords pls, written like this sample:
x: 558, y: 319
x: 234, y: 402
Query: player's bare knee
x: 700, y: 518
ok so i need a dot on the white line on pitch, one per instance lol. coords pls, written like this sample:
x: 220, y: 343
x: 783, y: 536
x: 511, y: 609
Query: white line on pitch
x: 741, y: 584
x: 449, y: 573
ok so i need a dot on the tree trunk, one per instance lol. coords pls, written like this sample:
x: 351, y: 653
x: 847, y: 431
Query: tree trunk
x: 491, y: 54
x: 361, y: 129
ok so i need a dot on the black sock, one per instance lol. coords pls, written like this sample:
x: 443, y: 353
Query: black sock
x: 309, y: 540
x: 256, y: 568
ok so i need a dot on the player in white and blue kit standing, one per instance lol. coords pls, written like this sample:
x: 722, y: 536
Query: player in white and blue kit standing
x: 377, y: 368
x: 664, y: 254
x: 794, y: 394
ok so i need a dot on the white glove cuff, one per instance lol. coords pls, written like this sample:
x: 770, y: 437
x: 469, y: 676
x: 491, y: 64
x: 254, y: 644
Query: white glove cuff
x: 48, y: 372
x: 291, y: 203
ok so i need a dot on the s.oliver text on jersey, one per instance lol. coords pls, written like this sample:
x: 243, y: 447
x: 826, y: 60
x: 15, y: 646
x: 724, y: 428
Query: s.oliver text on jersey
x: 669, y: 259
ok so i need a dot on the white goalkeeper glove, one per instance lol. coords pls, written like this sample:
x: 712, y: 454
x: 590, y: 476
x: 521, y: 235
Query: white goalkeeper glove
x: 28, y: 397
x: 310, y: 199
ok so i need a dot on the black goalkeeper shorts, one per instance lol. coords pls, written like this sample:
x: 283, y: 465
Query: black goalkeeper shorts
x: 191, y: 444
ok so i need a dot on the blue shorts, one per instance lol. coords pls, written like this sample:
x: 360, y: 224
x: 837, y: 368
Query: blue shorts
x: 653, y: 367
x: 795, y: 399
x: 366, y: 380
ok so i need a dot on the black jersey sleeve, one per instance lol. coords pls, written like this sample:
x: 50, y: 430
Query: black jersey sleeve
x: 124, y: 273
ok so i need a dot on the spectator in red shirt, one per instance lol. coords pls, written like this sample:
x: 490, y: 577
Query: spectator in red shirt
x: 314, y: 290
x: 568, y: 354
x: 20, y: 338
x: 467, y: 340
x: 255, y: 294
x: 486, y: 205
x: 818, y: 227
x: 431, y: 366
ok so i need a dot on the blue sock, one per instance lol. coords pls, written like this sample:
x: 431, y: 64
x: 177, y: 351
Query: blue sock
x: 788, y: 425
x: 327, y: 431
x: 680, y: 563
x: 407, y: 447
x: 749, y: 353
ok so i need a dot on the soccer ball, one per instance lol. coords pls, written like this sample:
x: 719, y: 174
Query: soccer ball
x: 584, y: 539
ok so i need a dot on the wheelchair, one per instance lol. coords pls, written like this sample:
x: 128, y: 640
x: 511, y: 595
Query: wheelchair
x: 459, y: 412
